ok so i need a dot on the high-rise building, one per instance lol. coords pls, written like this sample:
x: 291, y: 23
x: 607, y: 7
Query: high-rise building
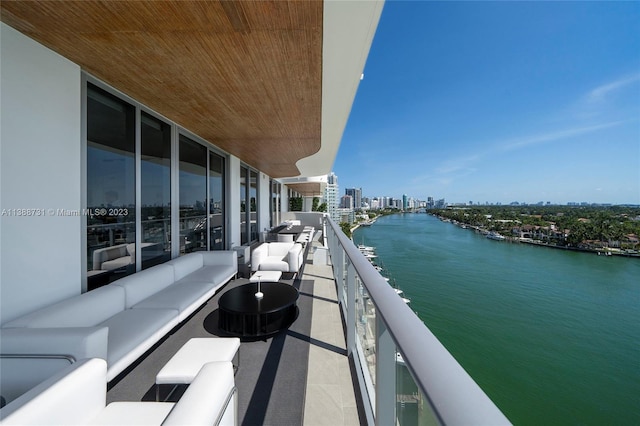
x: 345, y: 215
x: 346, y: 202
x: 356, y: 195
x: 331, y: 196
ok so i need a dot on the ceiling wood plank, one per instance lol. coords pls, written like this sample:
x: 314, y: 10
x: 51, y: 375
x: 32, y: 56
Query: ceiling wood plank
x: 246, y: 76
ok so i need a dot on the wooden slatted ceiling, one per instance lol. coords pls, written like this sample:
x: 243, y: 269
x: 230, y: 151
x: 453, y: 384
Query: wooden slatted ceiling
x: 244, y: 75
x: 308, y: 188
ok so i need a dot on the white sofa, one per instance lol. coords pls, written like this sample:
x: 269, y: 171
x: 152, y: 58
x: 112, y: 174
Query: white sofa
x: 277, y: 256
x: 77, y: 396
x: 118, y: 322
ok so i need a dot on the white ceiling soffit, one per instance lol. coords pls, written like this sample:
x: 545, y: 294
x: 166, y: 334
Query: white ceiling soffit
x: 347, y: 34
x: 304, y: 179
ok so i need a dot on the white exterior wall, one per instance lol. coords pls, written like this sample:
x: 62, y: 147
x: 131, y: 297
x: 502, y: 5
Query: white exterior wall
x: 307, y: 204
x: 264, y: 201
x: 40, y: 168
x: 284, y: 200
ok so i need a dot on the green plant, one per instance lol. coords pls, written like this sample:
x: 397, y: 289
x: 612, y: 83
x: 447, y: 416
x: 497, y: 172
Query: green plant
x: 346, y: 228
x: 295, y: 204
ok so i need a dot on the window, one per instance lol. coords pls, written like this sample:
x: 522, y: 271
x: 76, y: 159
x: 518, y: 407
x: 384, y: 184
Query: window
x: 111, y: 234
x: 248, y: 205
x: 155, y: 167
x: 243, y: 205
x: 193, y: 196
x: 216, y: 202
x: 198, y: 176
x: 253, y: 203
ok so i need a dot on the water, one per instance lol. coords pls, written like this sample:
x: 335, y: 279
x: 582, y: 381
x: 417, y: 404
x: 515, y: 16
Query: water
x: 552, y: 336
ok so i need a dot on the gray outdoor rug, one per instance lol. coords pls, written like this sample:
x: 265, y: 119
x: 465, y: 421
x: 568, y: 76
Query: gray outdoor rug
x: 272, y: 374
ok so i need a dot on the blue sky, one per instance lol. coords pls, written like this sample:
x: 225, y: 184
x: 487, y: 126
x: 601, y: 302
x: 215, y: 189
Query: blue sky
x: 499, y: 102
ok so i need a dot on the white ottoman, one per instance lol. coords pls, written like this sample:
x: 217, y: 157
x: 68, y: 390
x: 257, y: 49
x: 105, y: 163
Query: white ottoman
x: 266, y: 276
x: 183, y: 367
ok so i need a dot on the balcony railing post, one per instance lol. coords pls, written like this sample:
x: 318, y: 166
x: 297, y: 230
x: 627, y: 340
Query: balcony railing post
x: 385, y: 375
x: 351, y: 308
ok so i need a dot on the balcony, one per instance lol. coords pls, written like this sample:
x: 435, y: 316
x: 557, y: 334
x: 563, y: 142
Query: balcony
x: 356, y: 354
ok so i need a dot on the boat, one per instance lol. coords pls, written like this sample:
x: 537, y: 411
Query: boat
x: 401, y: 294
x: 495, y: 236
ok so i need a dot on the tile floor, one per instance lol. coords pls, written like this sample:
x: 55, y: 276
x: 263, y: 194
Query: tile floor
x: 330, y: 397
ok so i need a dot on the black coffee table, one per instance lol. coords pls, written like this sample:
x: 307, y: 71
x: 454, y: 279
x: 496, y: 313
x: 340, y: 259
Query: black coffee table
x: 242, y: 314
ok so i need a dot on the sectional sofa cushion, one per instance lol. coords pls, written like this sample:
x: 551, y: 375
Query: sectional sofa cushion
x: 133, y: 332
x: 145, y: 283
x: 85, y: 310
x: 186, y: 265
x: 185, y: 297
x: 214, y: 274
x: 134, y: 413
x: 215, y: 267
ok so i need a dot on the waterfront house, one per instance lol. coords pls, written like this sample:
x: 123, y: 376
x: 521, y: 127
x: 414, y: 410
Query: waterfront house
x: 179, y: 126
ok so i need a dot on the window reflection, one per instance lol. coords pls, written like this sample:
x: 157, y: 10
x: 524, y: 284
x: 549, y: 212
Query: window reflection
x: 248, y: 205
x: 193, y: 196
x: 253, y: 196
x: 243, y: 205
x: 155, y: 167
x: 111, y: 191
x: 216, y: 202
x: 111, y: 234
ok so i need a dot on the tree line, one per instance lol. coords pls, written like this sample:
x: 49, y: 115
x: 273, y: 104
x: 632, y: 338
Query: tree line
x: 574, y: 225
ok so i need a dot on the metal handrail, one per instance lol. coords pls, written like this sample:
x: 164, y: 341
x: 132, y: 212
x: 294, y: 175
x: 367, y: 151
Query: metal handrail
x: 69, y: 358
x: 453, y: 395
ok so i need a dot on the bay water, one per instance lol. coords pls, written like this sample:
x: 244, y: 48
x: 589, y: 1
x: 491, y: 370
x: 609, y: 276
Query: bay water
x: 552, y: 336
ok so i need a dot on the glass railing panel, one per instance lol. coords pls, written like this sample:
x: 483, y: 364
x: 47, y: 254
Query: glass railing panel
x: 366, y: 329
x: 412, y: 408
x: 344, y: 264
x: 458, y: 397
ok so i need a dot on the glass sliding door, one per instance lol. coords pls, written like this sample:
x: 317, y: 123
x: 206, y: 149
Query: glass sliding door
x: 244, y: 239
x: 111, y: 235
x: 193, y: 196
x: 253, y: 198
x: 216, y: 202
x: 155, y: 168
x: 248, y: 206
x: 116, y: 137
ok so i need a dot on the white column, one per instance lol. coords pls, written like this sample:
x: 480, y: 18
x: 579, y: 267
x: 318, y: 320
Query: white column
x: 233, y: 202
x: 284, y: 197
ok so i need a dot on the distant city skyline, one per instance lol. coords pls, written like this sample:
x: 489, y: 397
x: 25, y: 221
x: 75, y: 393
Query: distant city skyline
x: 499, y: 102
